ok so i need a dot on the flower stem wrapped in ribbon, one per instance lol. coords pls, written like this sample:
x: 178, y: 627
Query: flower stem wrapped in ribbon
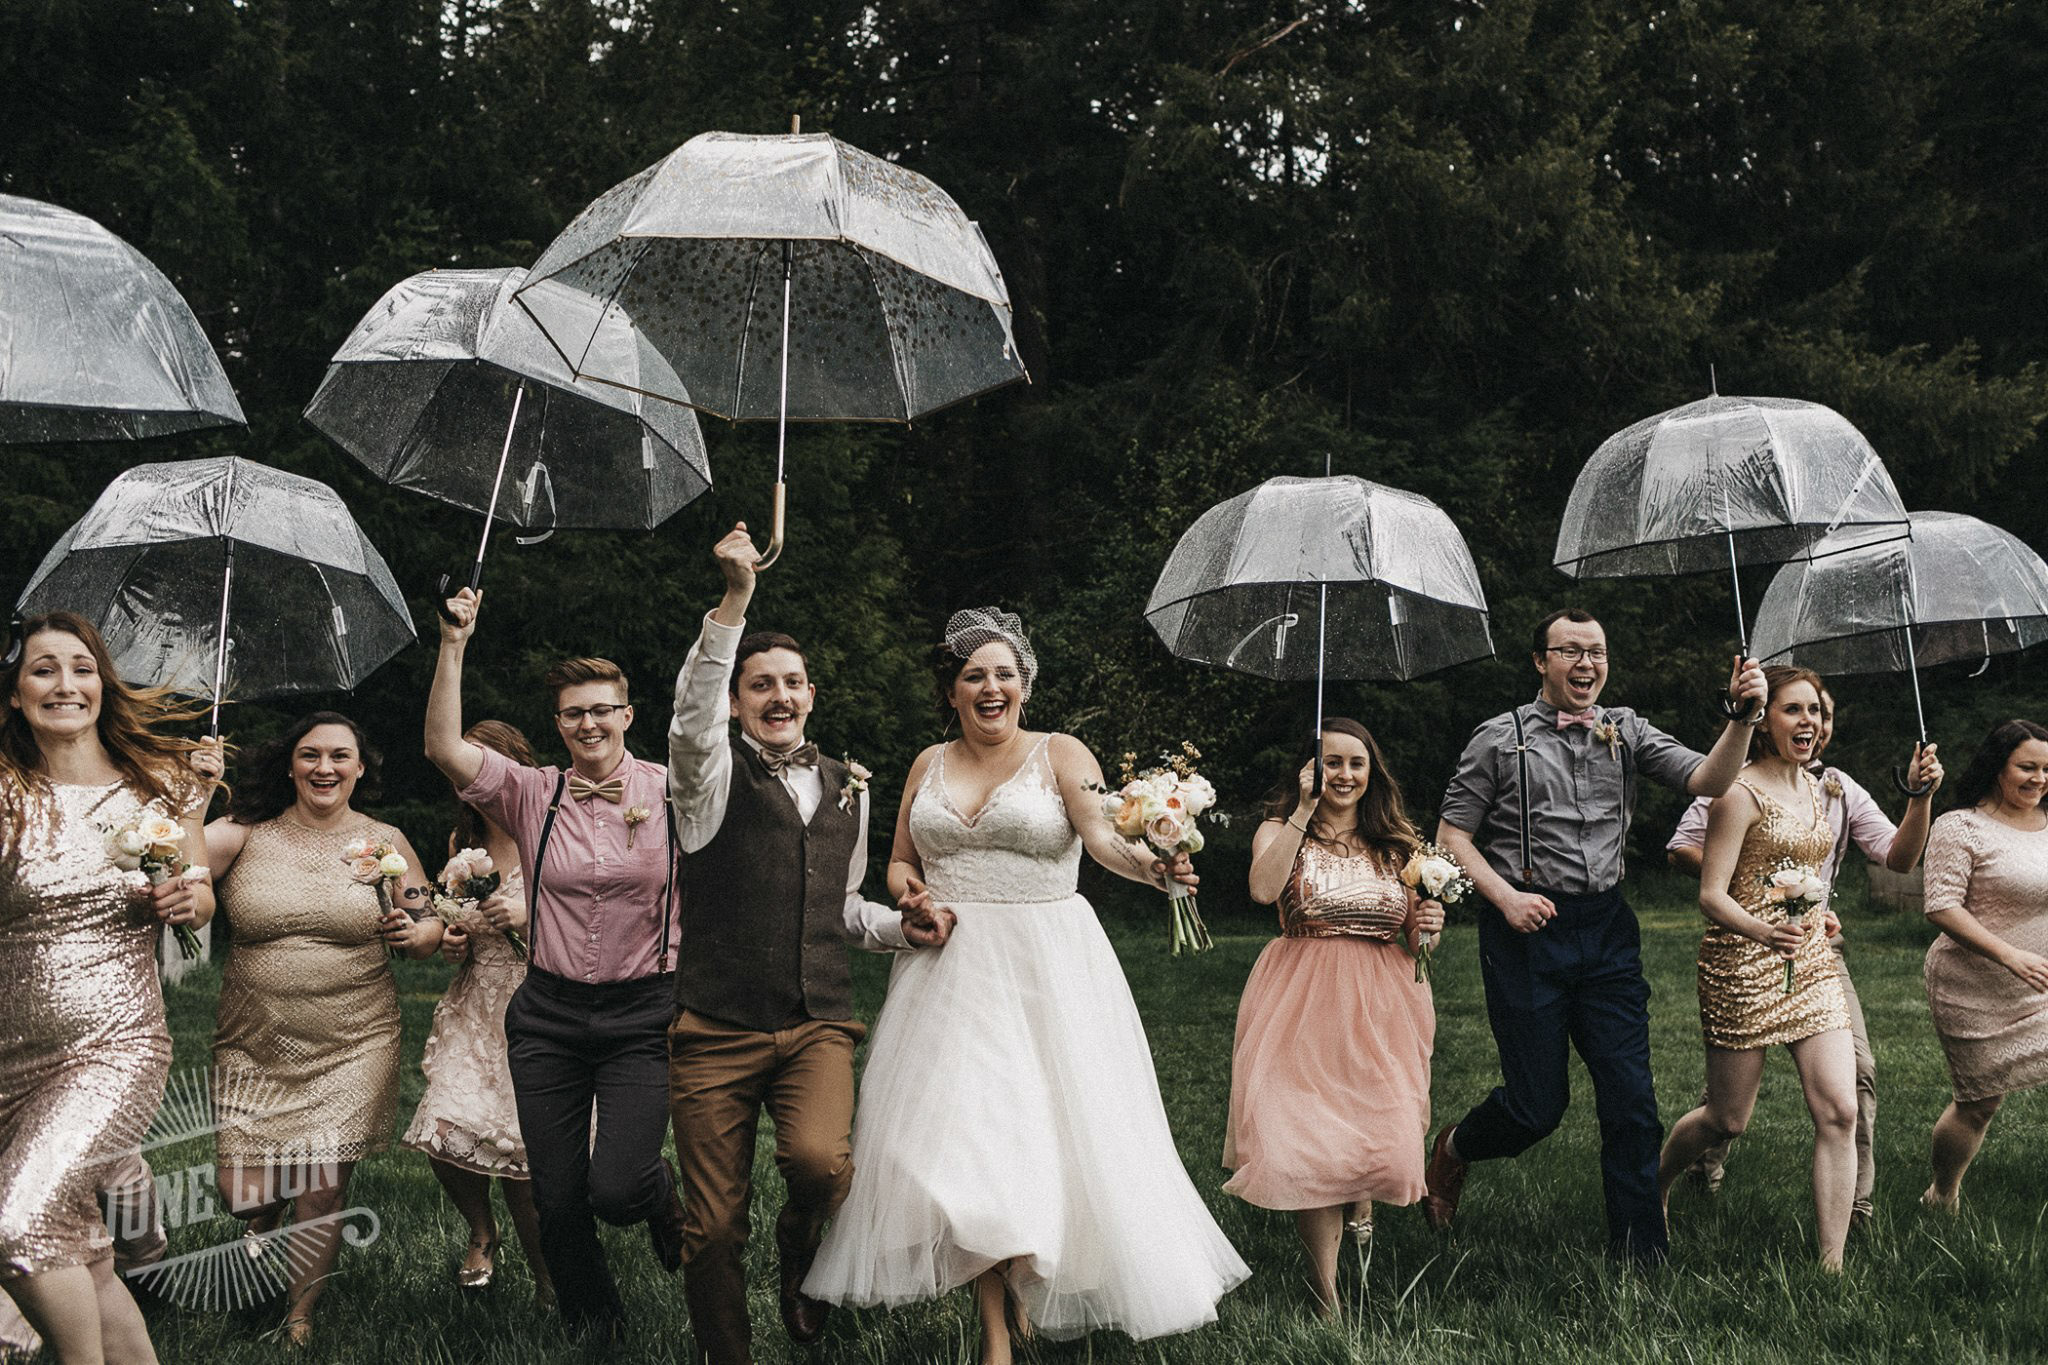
x: 1432, y: 873
x: 1161, y: 807
x: 154, y: 846
x: 1799, y: 889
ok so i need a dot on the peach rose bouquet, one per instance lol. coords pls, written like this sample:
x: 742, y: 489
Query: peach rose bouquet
x: 1162, y: 808
x: 154, y: 845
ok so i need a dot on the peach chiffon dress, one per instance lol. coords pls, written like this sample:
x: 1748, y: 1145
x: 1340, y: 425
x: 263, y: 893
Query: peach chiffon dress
x: 1329, y: 1083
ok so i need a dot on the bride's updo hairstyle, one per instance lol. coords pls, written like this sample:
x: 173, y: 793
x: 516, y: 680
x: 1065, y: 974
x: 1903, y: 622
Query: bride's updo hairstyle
x: 968, y: 631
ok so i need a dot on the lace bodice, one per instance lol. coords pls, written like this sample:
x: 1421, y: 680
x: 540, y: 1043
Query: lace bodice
x: 1020, y: 847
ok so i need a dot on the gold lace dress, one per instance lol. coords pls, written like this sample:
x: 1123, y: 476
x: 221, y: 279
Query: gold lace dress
x: 305, y: 1048
x: 83, y: 1047
x: 1743, y: 1001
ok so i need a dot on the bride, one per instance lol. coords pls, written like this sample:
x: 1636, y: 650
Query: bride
x: 1010, y: 1130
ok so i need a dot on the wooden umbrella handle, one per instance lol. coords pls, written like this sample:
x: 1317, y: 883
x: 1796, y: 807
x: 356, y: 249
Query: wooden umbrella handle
x: 774, y: 549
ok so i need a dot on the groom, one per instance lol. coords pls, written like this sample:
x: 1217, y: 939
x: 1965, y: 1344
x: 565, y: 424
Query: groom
x: 775, y: 847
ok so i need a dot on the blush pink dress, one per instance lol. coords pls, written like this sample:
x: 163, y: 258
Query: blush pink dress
x: 1329, y: 1078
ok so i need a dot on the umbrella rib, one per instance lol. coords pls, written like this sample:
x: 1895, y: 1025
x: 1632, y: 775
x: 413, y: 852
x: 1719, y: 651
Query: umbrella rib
x: 882, y: 305
x: 739, y: 364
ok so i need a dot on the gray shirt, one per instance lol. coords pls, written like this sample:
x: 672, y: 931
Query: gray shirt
x: 1581, y: 791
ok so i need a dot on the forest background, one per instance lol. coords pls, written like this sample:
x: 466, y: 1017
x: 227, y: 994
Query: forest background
x: 1446, y: 245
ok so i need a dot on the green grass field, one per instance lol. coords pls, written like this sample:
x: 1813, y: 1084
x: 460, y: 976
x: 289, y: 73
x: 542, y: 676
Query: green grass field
x: 1521, y: 1278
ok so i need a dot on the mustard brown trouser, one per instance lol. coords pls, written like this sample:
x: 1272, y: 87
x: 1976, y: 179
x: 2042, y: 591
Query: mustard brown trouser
x: 720, y: 1078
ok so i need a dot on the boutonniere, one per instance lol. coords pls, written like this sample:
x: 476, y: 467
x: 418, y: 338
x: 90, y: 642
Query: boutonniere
x: 634, y: 817
x: 1833, y: 787
x: 1608, y: 733
x: 856, y: 783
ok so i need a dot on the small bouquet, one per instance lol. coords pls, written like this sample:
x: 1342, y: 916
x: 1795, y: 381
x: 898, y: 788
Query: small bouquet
x: 154, y: 846
x: 1161, y: 807
x: 1798, y: 888
x: 1431, y: 872
x: 469, y: 879
x: 378, y: 864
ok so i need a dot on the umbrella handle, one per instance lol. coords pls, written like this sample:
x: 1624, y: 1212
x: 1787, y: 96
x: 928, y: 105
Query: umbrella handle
x: 774, y: 549
x: 1731, y: 708
x: 1899, y: 781
x: 441, y: 602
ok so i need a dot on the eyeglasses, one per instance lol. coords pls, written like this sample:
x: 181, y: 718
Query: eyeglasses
x: 1571, y: 654
x: 573, y: 715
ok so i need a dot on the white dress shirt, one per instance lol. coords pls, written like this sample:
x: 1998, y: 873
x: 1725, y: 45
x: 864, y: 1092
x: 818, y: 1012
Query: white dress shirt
x: 700, y: 779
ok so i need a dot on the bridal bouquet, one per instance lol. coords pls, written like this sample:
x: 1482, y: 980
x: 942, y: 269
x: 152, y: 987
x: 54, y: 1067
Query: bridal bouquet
x: 154, y: 846
x: 1433, y: 873
x: 373, y: 863
x: 467, y: 881
x: 1798, y: 888
x: 1162, y: 807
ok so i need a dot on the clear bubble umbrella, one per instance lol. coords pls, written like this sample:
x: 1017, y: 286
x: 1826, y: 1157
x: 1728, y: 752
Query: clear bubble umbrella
x: 1337, y: 577
x: 154, y: 562
x: 1958, y: 588
x: 445, y: 386
x: 95, y: 344
x: 785, y: 278
x: 1724, y: 482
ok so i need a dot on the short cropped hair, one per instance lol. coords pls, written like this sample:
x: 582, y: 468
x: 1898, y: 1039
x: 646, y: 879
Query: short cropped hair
x: 575, y: 672
x: 1578, y: 616
x: 760, y: 642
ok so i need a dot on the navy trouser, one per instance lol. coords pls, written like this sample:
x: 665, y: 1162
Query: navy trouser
x: 570, y: 1044
x: 1579, y: 981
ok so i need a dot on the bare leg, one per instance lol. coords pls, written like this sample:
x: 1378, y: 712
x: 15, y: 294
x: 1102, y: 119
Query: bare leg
x: 1958, y: 1133
x: 63, y: 1306
x: 1322, y: 1231
x: 324, y: 1191
x: 989, y: 1294
x: 526, y: 1221
x: 1732, y: 1081
x: 123, y: 1332
x: 1827, y: 1073
x: 471, y: 1195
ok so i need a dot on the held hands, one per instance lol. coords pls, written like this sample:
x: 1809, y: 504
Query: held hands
x: 2031, y: 968
x: 924, y: 925
x: 1925, y: 771
x: 1747, y: 690
x: 1524, y: 911
x: 458, y: 616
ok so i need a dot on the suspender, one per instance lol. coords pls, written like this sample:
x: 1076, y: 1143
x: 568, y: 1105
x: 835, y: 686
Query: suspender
x: 1628, y: 773
x: 540, y: 858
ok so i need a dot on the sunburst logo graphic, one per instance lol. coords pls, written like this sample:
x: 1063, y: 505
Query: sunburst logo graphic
x: 252, y: 1270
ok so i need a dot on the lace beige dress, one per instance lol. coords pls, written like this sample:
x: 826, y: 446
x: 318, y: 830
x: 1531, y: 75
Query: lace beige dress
x: 1993, y: 1027
x: 468, y: 1117
x: 1743, y: 1000
x: 305, y: 1048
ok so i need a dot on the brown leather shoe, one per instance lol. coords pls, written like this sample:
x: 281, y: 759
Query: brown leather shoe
x: 665, y: 1228
x: 803, y: 1317
x: 1445, y: 1182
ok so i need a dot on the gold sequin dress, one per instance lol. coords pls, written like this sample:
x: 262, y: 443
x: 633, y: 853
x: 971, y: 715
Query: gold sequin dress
x: 1743, y: 1001
x: 305, y: 1049
x: 83, y: 1047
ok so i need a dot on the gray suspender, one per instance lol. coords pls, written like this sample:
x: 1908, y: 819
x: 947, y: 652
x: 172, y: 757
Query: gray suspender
x: 540, y: 859
x: 1628, y: 770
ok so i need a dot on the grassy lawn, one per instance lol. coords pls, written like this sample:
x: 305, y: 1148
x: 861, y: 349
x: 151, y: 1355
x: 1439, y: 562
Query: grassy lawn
x: 1522, y: 1277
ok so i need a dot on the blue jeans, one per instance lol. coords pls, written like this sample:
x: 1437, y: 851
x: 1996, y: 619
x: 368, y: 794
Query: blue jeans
x: 1577, y: 981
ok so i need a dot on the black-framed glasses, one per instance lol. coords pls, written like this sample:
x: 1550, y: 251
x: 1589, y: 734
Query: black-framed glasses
x: 573, y: 715
x: 1571, y: 654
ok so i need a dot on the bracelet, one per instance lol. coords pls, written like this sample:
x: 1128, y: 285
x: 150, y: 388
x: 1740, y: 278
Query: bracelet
x: 1303, y: 829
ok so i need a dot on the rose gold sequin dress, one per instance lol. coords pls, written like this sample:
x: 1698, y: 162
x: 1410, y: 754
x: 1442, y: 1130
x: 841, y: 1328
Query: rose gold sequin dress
x: 468, y: 1117
x: 1329, y: 1077
x: 1993, y: 1026
x: 1743, y: 1001
x: 83, y: 1047
x: 305, y: 1049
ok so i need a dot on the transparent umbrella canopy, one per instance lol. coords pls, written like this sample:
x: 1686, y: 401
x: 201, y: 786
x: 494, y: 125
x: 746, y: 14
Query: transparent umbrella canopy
x: 154, y: 561
x: 1724, y: 482
x: 95, y: 344
x: 792, y: 278
x: 1957, y: 589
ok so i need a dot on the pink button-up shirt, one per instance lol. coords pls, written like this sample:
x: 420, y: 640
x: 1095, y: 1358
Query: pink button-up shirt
x: 598, y: 916
x: 1854, y: 816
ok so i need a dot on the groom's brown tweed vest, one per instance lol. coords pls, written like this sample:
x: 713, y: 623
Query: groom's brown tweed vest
x: 763, y: 904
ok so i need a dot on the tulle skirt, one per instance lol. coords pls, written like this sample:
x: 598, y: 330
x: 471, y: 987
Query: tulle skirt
x: 1329, y: 1078
x: 1009, y: 1110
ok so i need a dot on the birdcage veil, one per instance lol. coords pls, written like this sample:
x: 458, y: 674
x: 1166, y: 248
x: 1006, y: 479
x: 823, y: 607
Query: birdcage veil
x: 969, y: 630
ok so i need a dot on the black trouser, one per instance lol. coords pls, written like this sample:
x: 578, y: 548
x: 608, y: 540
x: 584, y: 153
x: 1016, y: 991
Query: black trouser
x: 569, y: 1044
x: 1577, y: 981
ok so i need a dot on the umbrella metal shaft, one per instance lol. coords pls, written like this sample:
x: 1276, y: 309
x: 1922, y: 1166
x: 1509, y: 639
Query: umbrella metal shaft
x: 1322, y: 636
x: 781, y: 417
x: 476, y: 570
x: 220, y: 649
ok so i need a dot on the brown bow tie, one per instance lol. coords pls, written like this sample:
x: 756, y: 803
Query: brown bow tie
x: 802, y: 756
x: 582, y: 788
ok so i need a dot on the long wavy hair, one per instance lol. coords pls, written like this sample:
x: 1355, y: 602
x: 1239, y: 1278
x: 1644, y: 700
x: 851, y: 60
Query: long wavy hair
x: 268, y: 790
x: 1777, y: 678
x: 1383, y: 823
x: 1980, y: 779
x: 133, y: 727
x: 499, y: 737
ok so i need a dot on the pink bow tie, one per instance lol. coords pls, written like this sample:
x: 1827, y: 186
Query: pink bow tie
x: 1567, y: 719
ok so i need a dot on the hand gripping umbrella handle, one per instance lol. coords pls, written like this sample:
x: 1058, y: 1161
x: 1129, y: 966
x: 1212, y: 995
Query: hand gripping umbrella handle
x: 774, y: 549
x: 1731, y: 708
x: 441, y: 602
x: 1899, y: 771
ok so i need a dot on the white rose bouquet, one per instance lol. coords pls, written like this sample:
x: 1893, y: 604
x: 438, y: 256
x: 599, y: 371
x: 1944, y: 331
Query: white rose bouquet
x: 154, y: 845
x: 1162, y: 807
x: 1431, y: 872
x: 373, y: 863
x: 468, y: 880
x: 1799, y: 889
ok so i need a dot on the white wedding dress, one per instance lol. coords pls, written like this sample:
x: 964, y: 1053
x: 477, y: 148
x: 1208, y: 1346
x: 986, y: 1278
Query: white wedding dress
x: 1009, y: 1107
